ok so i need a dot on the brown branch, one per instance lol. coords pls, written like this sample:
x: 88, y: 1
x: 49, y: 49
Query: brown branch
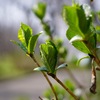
x: 34, y: 59
x: 40, y: 98
x: 67, y: 89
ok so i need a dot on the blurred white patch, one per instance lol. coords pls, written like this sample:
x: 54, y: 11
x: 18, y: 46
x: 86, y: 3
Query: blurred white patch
x: 78, y: 92
x: 87, y: 10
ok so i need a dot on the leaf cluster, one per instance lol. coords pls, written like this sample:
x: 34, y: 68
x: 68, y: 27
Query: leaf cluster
x: 27, y: 39
x: 49, y: 55
x: 81, y: 32
x: 40, y: 11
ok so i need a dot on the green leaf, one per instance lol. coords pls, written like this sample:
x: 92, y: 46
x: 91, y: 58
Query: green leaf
x: 49, y: 56
x: 39, y: 10
x: 98, y: 33
x: 32, y: 43
x: 20, y: 45
x: 91, y: 38
x: 24, y: 34
x: 77, y: 19
x: 71, y: 17
x: 80, y: 45
x: 81, y: 33
x: 21, y: 37
x: 41, y: 69
x: 68, y: 14
x: 92, y: 41
x: 84, y: 18
x: 61, y: 66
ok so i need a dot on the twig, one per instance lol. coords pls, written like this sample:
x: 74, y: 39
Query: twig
x: 40, y: 98
x: 96, y: 59
x: 67, y: 89
x: 32, y: 56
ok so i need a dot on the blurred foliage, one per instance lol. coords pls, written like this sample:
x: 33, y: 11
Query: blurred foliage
x: 63, y: 52
x: 7, y: 67
x: 40, y: 10
x: 23, y: 98
x: 61, y: 93
x: 10, y: 68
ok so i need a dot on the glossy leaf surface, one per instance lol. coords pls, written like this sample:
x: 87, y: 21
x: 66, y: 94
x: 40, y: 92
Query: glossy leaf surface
x: 32, y: 43
x: 27, y: 40
x: 24, y: 34
x: 49, y: 56
x: 79, y: 21
x: 20, y: 45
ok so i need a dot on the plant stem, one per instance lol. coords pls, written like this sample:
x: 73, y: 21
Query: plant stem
x: 67, y: 89
x: 96, y: 59
x: 40, y: 98
x: 34, y: 59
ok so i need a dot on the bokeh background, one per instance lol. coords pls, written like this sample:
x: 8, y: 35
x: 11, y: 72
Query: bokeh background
x: 17, y: 79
